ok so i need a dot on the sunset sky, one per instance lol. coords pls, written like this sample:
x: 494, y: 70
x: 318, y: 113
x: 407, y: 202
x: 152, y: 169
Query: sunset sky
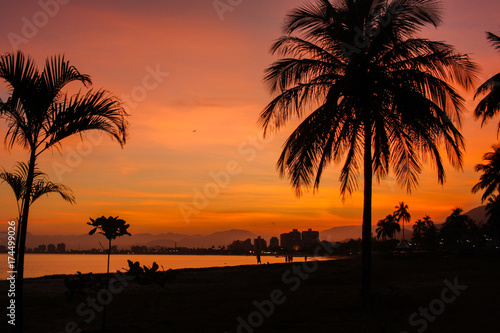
x: 197, y: 117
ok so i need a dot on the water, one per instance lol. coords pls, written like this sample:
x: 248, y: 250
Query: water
x: 37, y: 265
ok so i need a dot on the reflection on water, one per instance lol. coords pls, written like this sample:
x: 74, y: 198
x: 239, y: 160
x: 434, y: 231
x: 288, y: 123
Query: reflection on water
x: 37, y: 265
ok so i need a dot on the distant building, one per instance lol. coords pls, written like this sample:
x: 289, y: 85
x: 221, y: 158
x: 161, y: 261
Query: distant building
x: 61, y: 248
x: 40, y: 249
x: 247, y: 245
x: 241, y: 246
x: 260, y: 244
x: 291, y: 240
x: 274, y: 243
x: 51, y: 248
x: 139, y: 249
x: 296, y: 240
x: 309, y: 239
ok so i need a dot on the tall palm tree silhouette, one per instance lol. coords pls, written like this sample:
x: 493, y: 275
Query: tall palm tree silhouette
x: 402, y: 214
x: 374, y: 96
x: 489, y: 181
x: 489, y: 106
x: 39, y: 116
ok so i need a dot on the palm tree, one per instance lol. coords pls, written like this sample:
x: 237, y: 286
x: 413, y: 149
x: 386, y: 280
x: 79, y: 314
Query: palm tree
x: 384, y: 103
x: 419, y: 229
x: 456, y: 228
x: 110, y: 227
x: 402, y: 213
x: 41, y: 185
x: 489, y: 181
x: 430, y: 234
x: 490, y: 104
x: 428, y: 220
x: 493, y: 213
x: 387, y: 227
x: 39, y: 116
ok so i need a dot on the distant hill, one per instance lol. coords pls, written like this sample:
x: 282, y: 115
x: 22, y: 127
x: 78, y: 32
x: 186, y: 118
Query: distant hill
x: 223, y: 238
x: 340, y: 234
x: 478, y: 214
x: 84, y: 242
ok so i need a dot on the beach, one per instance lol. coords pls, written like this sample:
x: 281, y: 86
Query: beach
x: 294, y: 297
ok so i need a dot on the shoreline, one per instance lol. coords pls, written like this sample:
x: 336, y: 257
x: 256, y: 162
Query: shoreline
x: 331, y: 258
x: 51, y: 264
x: 314, y: 300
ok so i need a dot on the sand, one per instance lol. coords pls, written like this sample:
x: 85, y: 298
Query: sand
x: 327, y: 299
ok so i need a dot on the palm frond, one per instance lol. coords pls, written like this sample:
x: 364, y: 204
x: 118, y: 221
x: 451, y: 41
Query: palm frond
x: 489, y: 181
x: 56, y: 75
x: 44, y: 186
x: 41, y: 184
x: 494, y: 40
x: 489, y: 106
x: 397, y: 84
x: 95, y: 110
x: 15, y: 183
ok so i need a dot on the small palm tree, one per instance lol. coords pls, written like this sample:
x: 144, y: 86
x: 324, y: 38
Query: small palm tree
x: 489, y: 181
x: 110, y: 227
x: 455, y: 229
x: 402, y: 214
x: 41, y: 185
x: 387, y: 227
x: 489, y: 106
x: 40, y: 116
x: 419, y: 229
x: 387, y: 103
x: 430, y: 234
x: 428, y: 220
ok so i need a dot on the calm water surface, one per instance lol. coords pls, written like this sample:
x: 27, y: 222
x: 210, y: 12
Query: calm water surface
x: 37, y: 265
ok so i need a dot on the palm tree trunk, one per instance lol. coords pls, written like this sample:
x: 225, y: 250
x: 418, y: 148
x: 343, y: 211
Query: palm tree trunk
x: 367, y: 213
x: 106, y: 286
x: 18, y: 238
x: 22, y: 244
x: 403, y: 231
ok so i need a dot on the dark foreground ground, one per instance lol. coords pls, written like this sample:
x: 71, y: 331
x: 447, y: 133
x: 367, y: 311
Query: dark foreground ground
x: 324, y: 300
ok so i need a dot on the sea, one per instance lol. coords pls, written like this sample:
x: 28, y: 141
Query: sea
x: 38, y: 265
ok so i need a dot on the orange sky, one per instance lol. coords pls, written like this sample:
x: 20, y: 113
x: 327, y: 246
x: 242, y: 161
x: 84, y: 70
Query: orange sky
x: 210, y: 82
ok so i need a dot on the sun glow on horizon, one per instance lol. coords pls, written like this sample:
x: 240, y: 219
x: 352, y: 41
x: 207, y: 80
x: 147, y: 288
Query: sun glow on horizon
x: 200, y: 122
